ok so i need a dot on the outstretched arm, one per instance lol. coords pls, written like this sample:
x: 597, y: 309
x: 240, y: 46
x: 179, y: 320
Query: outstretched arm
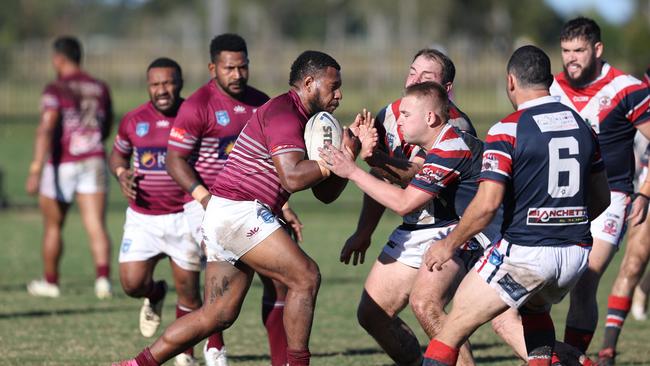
x: 42, y: 148
x: 477, y: 216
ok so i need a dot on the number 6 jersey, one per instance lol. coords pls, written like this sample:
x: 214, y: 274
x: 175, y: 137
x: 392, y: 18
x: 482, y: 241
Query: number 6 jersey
x: 544, y: 153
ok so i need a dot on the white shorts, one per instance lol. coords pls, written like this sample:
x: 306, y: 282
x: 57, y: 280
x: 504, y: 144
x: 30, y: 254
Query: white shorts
x: 610, y: 226
x: 232, y: 228
x: 408, y: 246
x: 194, y: 212
x: 84, y: 176
x: 147, y: 236
x: 518, y: 272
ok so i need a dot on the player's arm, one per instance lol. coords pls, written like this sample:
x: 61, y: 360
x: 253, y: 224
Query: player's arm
x: 119, y: 164
x: 476, y: 217
x: 296, y: 173
x: 402, y: 201
x: 599, y: 194
x: 357, y: 244
x: 396, y: 170
x: 185, y: 176
x: 42, y: 148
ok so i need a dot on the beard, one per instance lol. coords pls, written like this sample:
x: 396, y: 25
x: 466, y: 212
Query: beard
x: 587, y: 75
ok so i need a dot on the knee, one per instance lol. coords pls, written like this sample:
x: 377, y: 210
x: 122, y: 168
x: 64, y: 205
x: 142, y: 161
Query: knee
x: 133, y: 287
x: 426, y: 308
x: 217, y: 318
x: 632, y: 268
x: 371, y: 315
x: 307, y: 279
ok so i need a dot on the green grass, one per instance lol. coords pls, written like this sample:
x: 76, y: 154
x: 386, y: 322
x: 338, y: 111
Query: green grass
x: 77, y: 329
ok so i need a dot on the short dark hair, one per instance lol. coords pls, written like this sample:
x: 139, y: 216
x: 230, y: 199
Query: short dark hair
x: 310, y: 63
x: 68, y: 46
x: 581, y: 27
x: 531, y: 66
x: 448, y: 68
x: 433, y: 91
x: 166, y: 62
x: 227, y: 42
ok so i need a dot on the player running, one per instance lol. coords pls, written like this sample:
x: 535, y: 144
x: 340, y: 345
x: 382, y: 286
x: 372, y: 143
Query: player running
x: 431, y: 205
x: 155, y: 226
x: 549, y: 195
x: 241, y: 227
x: 615, y: 105
x: 70, y: 163
x: 203, y: 136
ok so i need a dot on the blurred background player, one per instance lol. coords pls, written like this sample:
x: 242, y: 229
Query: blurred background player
x: 70, y: 163
x: 640, y: 299
x: 201, y: 139
x: 615, y: 105
x: 538, y: 259
x: 430, y: 205
x: 155, y: 226
x: 627, y: 283
x: 242, y: 223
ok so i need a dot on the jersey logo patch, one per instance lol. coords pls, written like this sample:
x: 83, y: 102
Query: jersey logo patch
x: 222, y: 118
x: 265, y: 215
x: 239, y: 109
x: 151, y: 159
x: 558, y: 121
x: 512, y: 287
x: 142, y: 128
x: 604, y: 102
x: 163, y: 123
x: 557, y: 216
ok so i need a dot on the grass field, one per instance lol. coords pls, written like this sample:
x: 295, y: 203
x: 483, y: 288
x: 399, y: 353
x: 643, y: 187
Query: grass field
x: 77, y: 329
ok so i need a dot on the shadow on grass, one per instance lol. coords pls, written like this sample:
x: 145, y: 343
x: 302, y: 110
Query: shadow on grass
x: 376, y: 351
x: 60, y: 312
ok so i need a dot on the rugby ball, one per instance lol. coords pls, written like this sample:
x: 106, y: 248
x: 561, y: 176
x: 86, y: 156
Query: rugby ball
x: 322, y: 127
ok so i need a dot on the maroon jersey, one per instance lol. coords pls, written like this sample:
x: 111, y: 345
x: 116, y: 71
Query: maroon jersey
x: 276, y: 128
x: 207, y: 126
x: 143, y: 133
x: 84, y: 106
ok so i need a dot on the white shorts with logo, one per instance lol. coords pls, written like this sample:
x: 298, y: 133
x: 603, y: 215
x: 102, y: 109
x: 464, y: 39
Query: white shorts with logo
x: 518, y: 272
x: 147, y: 236
x: 232, y: 228
x: 408, y: 246
x: 84, y: 176
x: 610, y: 226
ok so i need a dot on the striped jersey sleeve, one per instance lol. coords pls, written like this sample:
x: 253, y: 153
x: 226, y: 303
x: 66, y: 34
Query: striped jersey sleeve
x: 498, y: 152
x: 442, y: 163
x: 122, y: 142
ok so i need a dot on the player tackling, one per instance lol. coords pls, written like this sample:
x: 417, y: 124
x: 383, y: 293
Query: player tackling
x: 549, y: 195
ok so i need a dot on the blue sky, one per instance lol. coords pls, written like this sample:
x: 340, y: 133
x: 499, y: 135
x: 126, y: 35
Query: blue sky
x: 614, y: 11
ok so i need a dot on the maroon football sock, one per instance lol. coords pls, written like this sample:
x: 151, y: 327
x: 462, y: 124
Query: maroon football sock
x: 298, y: 358
x: 180, y: 312
x: 272, y: 314
x: 145, y: 358
x: 102, y: 271
x: 52, y: 278
x: 215, y: 341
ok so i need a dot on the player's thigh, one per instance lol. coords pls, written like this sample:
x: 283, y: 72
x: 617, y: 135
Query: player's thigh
x: 92, y: 207
x: 465, y: 315
x: 638, y: 241
x: 388, y: 285
x: 280, y: 258
x: 54, y: 211
x: 602, y: 253
x: 225, y: 288
x: 437, y: 287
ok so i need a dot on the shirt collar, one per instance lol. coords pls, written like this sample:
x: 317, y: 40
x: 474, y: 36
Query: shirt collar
x: 538, y: 101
